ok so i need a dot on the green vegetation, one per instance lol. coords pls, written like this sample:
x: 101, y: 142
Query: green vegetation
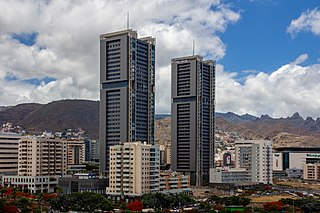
x: 159, y: 201
x: 14, y: 200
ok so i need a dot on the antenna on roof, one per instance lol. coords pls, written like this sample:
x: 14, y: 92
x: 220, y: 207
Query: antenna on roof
x: 193, y: 47
x: 128, y: 20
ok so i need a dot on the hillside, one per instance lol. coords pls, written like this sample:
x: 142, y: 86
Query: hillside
x: 55, y: 116
x: 59, y: 115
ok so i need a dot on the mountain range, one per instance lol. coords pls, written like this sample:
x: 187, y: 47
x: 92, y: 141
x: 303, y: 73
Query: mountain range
x: 63, y: 114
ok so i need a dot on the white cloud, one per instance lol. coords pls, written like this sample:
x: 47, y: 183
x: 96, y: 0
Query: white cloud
x: 308, y: 21
x: 67, y: 49
x: 291, y: 88
x: 67, y: 43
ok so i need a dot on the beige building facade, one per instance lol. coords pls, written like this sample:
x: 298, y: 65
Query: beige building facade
x: 134, y: 169
x: 41, y: 156
x: 9, y: 143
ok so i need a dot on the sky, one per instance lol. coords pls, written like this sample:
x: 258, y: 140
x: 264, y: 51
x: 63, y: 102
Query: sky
x: 267, y: 52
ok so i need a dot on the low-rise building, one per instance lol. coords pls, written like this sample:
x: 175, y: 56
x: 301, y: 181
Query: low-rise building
x: 229, y: 175
x: 294, y: 173
x: 82, y: 182
x: 173, y: 182
x: 35, y: 184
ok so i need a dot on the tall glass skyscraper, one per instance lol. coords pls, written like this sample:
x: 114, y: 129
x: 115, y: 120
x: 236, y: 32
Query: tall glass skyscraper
x: 192, y: 111
x: 127, y: 79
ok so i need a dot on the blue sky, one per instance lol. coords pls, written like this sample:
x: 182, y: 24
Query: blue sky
x: 267, y: 51
x: 260, y: 41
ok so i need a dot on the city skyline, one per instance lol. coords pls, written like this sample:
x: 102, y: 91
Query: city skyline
x: 267, y: 59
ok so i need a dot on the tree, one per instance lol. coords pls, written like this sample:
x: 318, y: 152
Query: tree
x: 106, y: 205
x: 89, y: 201
x: 135, y: 206
x: 9, y: 209
x: 273, y: 206
x: 23, y: 203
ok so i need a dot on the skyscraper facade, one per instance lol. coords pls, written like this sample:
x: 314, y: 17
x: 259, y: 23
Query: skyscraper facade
x: 192, y: 110
x: 127, y: 77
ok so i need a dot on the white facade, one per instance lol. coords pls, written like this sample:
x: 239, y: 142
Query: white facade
x: 294, y: 159
x: 33, y: 183
x: 256, y: 157
x: 229, y: 175
x: 134, y: 169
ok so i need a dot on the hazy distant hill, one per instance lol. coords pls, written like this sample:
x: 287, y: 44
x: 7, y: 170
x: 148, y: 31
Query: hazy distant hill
x: 234, y: 118
x: 59, y: 115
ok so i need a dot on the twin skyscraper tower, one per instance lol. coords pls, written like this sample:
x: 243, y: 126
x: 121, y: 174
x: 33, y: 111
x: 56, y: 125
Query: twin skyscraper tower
x: 127, y: 103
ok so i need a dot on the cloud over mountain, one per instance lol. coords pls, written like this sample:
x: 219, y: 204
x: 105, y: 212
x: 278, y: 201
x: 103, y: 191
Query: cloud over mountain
x: 291, y: 88
x: 49, y: 50
x: 59, y: 41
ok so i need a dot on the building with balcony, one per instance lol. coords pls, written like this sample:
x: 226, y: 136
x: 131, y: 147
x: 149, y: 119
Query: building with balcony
x: 75, y: 151
x: 256, y: 157
x: 9, y: 143
x: 134, y: 169
x: 42, y: 156
x: 311, y: 171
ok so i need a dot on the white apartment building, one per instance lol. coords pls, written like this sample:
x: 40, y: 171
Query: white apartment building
x: 134, y: 169
x: 9, y: 143
x: 256, y: 157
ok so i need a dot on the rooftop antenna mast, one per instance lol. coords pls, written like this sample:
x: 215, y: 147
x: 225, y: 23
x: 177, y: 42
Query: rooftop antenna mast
x: 128, y: 21
x: 193, y: 47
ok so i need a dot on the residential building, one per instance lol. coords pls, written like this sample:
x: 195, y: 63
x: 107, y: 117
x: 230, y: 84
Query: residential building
x: 127, y: 79
x: 192, y: 110
x: 134, y: 169
x: 41, y: 156
x: 75, y: 152
x: 256, y: 157
x: 311, y: 171
x: 9, y: 143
